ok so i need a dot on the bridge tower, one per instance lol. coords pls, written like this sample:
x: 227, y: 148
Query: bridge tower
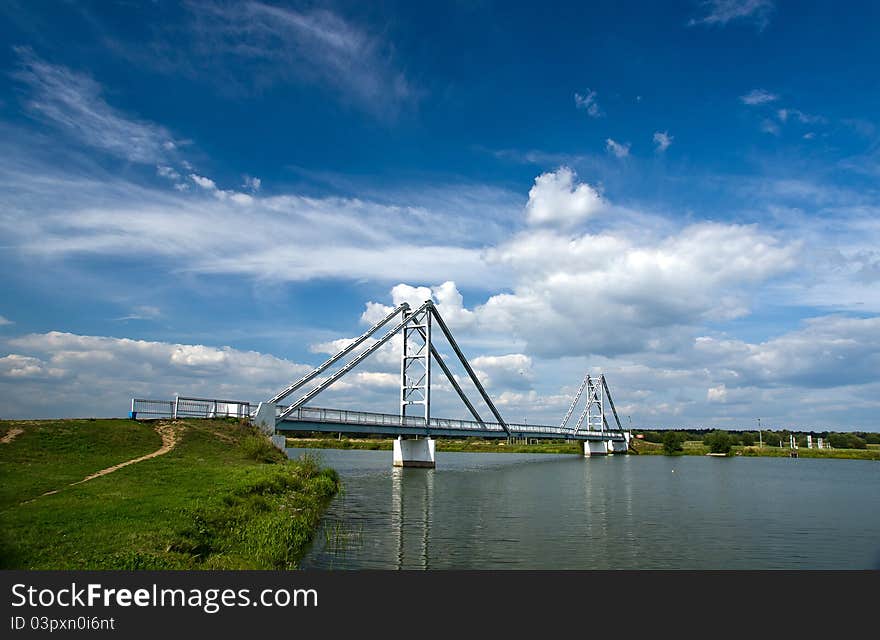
x: 415, y: 388
x: 593, y: 418
x: 416, y: 447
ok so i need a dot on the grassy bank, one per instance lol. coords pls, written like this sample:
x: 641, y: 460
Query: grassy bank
x: 697, y: 448
x: 221, y: 498
x: 473, y: 445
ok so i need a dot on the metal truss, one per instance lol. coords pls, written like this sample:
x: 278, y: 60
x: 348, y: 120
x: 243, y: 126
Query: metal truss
x: 593, y: 417
x: 418, y: 355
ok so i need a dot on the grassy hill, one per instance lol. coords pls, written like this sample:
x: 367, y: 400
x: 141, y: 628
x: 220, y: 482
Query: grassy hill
x: 221, y: 498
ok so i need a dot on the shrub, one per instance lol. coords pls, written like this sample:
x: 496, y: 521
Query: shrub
x: 718, y: 441
x: 747, y: 439
x: 260, y: 448
x: 673, y: 442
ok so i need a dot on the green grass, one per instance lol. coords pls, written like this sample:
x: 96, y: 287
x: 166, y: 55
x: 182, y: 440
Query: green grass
x: 223, y: 498
x: 697, y: 448
x: 442, y: 444
x: 52, y: 453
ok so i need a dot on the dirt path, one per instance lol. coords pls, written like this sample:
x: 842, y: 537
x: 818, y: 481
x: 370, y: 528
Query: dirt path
x: 169, y: 440
x: 11, y: 435
x: 169, y: 433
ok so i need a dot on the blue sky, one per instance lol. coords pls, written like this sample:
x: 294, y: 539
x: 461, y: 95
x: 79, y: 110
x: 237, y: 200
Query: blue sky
x: 208, y: 198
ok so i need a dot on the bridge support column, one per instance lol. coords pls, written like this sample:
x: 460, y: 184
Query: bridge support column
x: 617, y: 446
x: 595, y: 448
x: 264, y: 418
x: 414, y: 453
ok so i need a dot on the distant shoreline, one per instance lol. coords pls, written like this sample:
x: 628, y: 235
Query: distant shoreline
x: 691, y: 448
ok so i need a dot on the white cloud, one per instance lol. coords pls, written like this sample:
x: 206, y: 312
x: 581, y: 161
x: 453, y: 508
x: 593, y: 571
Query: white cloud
x: 203, y: 182
x: 800, y: 116
x: 717, y: 394
x: 19, y: 367
x: 757, y: 97
x: 721, y: 12
x: 588, y: 103
x: 269, y: 44
x: 251, y: 183
x: 446, y: 297
x: 143, y: 312
x: 555, y: 198
x: 608, y: 293
x: 662, y: 139
x: 5, y: 321
x: 167, y: 172
x: 620, y: 150
x: 73, y: 102
x: 829, y: 351
x: 100, y: 374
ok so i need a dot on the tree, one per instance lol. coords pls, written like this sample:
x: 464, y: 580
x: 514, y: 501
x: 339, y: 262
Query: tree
x: 846, y: 441
x: 672, y: 442
x: 748, y: 439
x: 718, y: 441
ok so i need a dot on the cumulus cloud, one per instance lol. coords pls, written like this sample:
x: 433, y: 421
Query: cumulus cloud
x: 717, y: 394
x: 5, y: 321
x: 555, y: 198
x: 662, y: 140
x: 619, y: 150
x: 446, y: 297
x: 100, y: 374
x: 606, y: 293
x: 588, y: 103
x: 203, y: 182
x: 829, y: 351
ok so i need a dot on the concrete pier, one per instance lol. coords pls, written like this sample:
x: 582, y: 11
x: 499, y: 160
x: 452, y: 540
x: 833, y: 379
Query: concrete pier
x: 414, y: 453
x: 595, y: 448
x: 265, y: 418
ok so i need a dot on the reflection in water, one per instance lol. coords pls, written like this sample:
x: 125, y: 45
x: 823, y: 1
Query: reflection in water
x: 411, y: 515
x: 555, y: 512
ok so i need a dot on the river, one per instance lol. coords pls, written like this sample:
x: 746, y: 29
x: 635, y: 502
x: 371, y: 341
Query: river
x: 541, y: 511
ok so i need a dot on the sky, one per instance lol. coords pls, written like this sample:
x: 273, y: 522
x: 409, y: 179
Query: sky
x: 210, y: 198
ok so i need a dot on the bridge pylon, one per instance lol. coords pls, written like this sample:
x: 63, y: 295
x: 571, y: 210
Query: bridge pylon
x: 414, y: 446
x: 593, y: 418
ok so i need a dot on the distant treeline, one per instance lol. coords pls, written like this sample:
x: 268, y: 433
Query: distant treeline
x: 838, y: 440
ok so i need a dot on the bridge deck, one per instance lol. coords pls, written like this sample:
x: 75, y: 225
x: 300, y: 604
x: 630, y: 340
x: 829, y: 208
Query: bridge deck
x: 342, y: 420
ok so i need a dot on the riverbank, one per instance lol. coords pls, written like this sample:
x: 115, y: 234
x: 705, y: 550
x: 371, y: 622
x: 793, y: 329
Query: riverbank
x: 642, y: 447
x: 472, y: 445
x: 185, y: 494
x: 697, y: 448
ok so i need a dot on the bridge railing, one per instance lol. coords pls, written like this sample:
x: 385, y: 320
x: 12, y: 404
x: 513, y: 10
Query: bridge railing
x: 183, y: 407
x: 343, y: 416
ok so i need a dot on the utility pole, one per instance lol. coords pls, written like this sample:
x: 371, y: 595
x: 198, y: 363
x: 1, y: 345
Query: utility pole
x: 760, y: 439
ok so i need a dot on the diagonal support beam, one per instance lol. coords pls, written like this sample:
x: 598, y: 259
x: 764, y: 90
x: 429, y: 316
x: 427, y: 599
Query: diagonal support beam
x: 611, y: 402
x: 455, y: 385
x: 351, y: 365
x: 341, y: 354
x: 452, y: 343
x: 574, y: 402
x: 591, y: 398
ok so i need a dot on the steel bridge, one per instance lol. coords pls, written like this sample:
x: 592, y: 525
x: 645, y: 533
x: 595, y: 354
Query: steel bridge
x: 415, y: 427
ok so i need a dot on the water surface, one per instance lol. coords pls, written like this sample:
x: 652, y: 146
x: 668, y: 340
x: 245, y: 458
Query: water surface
x: 540, y: 511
